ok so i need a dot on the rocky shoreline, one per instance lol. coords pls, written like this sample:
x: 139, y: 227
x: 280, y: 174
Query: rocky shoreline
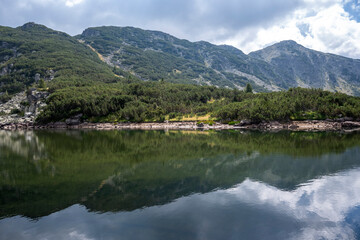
x: 308, y: 125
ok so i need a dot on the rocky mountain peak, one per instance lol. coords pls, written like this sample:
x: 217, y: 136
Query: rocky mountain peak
x: 284, y: 46
x: 32, y: 25
x: 90, y: 32
x: 288, y: 43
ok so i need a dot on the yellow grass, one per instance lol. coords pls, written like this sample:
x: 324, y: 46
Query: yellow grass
x: 102, y: 59
x: 211, y: 100
x: 99, y: 55
x: 193, y: 118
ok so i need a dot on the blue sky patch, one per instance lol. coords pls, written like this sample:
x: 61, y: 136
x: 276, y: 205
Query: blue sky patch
x: 353, y: 8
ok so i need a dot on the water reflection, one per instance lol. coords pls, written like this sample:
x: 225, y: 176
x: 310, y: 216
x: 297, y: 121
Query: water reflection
x: 179, y: 185
x: 320, y: 209
x: 23, y: 143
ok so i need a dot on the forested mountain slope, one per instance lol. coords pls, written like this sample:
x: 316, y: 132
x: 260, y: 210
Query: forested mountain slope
x: 33, y: 52
x: 153, y: 55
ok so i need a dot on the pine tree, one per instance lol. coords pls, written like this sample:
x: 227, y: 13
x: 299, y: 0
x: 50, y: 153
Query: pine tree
x: 248, y: 88
x: 42, y: 83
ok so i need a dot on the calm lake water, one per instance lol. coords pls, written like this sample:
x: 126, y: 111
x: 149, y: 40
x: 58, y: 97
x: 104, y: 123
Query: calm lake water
x: 179, y: 185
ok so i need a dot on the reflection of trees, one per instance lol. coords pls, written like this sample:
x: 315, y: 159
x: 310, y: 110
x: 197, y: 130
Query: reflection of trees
x: 126, y: 170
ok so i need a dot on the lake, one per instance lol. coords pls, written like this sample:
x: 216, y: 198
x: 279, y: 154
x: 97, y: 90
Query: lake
x: 179, y: 185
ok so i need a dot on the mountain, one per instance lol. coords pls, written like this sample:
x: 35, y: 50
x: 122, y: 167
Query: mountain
x: 96, y: 76
x: 153, y: 55
x: 33, y: 52
x: 303, y: 67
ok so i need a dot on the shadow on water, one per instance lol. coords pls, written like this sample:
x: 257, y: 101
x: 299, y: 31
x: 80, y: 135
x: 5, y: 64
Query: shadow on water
x: 42, y: 172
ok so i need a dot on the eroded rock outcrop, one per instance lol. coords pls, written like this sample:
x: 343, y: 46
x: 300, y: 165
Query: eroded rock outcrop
x: 22, y: 109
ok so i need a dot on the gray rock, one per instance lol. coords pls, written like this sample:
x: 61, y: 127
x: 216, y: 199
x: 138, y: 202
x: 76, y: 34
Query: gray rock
x: 245, y: 122
x: 348, y: 119
x: 75, y: 120
x: 37, y: 77
x: 339, y: 120
x: 50, y: 74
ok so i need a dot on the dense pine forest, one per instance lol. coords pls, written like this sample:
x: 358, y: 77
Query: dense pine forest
x: 159, y: 101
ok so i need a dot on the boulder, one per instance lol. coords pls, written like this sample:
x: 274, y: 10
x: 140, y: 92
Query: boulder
x: 293, y: 126
x: 75, y: 120
x: 37, y: 77
x: 245, y: 122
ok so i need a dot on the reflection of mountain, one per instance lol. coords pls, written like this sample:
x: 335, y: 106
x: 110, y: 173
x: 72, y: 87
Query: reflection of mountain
x: 148, y: 184
x: 325, y: 208
x: 23, y: 143
x: 127, y: 170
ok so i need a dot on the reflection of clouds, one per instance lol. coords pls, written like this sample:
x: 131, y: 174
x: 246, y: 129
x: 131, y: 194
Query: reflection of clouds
x: 323, y: 203
x: 250, y: 210
x: 78, y: 236
x: 329, y: 197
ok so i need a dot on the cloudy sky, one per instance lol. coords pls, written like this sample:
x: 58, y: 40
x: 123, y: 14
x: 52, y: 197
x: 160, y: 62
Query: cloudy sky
x: 326, y: 25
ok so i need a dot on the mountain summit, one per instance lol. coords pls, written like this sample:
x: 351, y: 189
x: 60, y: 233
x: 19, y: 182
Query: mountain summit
x: 154, y: 55
x: 303, y: 67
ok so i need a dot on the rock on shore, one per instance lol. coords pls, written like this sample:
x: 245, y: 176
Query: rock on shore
x: 312, y: 125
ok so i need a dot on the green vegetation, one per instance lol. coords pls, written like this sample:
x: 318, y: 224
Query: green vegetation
x: 5, y: 97
x: 34, y: 51
x: 248, y: 88
x: 157, y: 101
x: 210, y: 122
x: 137, y: 101
x: 294, y: 104
x: 17, y: 111
x: 42, y: 84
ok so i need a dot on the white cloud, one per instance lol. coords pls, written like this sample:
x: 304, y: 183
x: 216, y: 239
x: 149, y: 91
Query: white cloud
x: 325, y: 26
x: 71, y: 3
x: 250, y: 25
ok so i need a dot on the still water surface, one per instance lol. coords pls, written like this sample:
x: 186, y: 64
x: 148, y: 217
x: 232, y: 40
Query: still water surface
x: 179, y: 185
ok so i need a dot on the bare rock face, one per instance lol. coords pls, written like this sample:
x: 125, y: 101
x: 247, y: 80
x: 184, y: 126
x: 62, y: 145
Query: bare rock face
x: 23, y: 108
x: 91, y: 33
x: 36, y: 100
x: 50, y: 75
